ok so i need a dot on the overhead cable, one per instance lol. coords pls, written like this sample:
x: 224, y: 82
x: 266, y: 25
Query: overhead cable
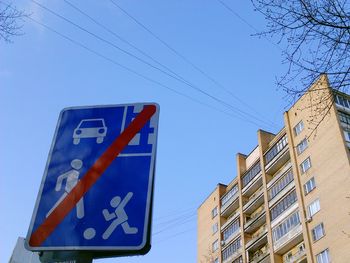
x: 243, y: 115
x: 77, y: 43
x: 177, y: 53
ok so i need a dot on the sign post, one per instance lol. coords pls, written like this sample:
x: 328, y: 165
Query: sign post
x: 96, y: 192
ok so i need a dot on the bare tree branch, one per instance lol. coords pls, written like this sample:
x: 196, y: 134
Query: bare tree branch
x: 11, y: 21
x: 316, y: 39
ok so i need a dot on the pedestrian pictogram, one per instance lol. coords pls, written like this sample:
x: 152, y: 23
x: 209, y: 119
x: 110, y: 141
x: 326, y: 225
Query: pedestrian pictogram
x: 96, y: 191
x: 71, y: 178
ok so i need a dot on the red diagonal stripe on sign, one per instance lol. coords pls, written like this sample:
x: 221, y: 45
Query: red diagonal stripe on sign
x: 91, y: 176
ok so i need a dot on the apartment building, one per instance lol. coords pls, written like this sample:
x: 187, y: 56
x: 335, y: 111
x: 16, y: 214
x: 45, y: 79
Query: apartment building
x: 290, y: 199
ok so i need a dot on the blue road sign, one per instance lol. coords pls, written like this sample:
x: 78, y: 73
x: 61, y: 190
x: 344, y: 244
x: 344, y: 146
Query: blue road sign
x: 97, y: 186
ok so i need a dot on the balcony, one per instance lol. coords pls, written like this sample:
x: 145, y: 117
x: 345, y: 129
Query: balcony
x: 278, y: 161
x: 225, y: 243
x: 299, y: 257
x: 262, y: 258
x: 279, y: 174
x: 250, y: 177
x: 285, y: 214
x: 230, y: 219
x: 255, y: 222
x: 255, y: 201
x: 342, y: 102
x: 291, y: 239
x: 257, y: 239
x: 230, y: 206
x: 277, y: 155
x: 281, y: 194
x: 253, y: 185
x: 231, y: 232
x: 234, y: 256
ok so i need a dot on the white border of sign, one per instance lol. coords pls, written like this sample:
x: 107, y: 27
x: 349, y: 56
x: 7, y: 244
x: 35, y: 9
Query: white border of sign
x: 155, y: 121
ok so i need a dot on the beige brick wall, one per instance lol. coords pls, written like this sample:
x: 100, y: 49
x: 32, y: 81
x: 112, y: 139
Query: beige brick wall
x: 330, y: 168
x: 205, y: 236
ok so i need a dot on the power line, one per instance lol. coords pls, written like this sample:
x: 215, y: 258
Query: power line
x: 242, y: 114
x: 237, y: 15
x: 175, y: 235
x: 176, y: 219
x: 121, y: 38
x: 104, y: 40
x: 177, y: 213
x: 129, y: 69
x: 176, y: 223
x: 245, y: 21
x: 217, y: 83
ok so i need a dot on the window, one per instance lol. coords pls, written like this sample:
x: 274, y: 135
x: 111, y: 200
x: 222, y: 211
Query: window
x: 281, y: 184
x: 215, y: 228
x: 305, y: 165
x: 347, y: 135
x: 343, y: 117
x: 215, y: 245
x: 342, y: 101
x: 314, y: 207
x: 298, y: 128
x: 283, y: 205
x: 302, y: 146
x: 289, y: 256
x: 323, y: 257
x: 279, y: 146
x: 318, y: 232
x: 309, y: 185
x: 214, y: 212
x: 232, y: 229
x: 229, y: 195
x: 251, y: 173
x: 238, y: 260
x: 283, y: 228
x: 231, y: 249
x: 216, y: 260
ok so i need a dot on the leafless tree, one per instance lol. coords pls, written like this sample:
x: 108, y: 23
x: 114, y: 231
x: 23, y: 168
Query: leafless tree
x: 11, y: 21
x: 315, y: 38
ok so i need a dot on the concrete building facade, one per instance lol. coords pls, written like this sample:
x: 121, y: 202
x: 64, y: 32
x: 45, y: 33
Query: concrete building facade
x: 290, y: 199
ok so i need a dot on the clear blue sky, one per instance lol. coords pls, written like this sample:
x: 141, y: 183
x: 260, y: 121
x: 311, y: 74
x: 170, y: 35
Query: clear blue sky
x: 41, y: 73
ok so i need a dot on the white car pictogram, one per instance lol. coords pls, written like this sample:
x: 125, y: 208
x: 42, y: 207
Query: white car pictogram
x: 90, y: 128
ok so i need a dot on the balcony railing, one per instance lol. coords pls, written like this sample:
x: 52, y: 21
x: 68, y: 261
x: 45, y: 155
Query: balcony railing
x: 255, y: 222
x: 258, y: 257
x: 228, y: 202
x: 253, y: 198
x: 280, y: 156
x: 258, y: 192
x: 257, y: 235
x: 278, y: 197
x: 260, y: 233
x: 255, y: 216
x: 230, y: 206
x: 250, y: 174
x: 230, y: 219
x: 292, y: 234
x: 299, y: 255
x: 276, y: 149
x: 229, y: 195
x: 279, y: 185
x: 342, y: 101
x: 233, y: 256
